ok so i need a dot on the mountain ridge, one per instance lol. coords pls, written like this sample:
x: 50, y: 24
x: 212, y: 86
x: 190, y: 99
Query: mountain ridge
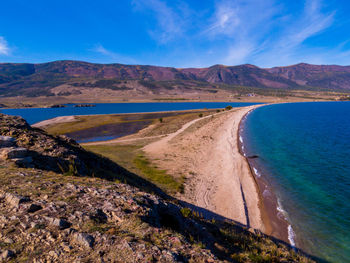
x: 38, y: 79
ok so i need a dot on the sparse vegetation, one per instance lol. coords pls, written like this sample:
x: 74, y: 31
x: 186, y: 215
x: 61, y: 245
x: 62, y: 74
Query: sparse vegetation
x: 157, y: 176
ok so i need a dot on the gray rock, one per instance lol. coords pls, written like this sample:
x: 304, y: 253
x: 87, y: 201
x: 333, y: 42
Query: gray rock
x: 12, y: 153
x: 6, y: 141
x: 8, y: 240
x: 7, y: 254
x: 59, y: 222
x: 84, y: 239
x: 33, y: 208
x: 23, y: 161
x: 15, y: 200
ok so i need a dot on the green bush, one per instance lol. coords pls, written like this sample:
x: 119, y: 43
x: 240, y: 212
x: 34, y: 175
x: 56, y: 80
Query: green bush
x: 229, y: 107
x: 186, y: 212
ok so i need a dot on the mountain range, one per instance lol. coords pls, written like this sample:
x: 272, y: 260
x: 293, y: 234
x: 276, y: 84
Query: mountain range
x: 39, y: 79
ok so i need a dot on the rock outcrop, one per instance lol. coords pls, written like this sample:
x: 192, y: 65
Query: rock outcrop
x: 47, y: 215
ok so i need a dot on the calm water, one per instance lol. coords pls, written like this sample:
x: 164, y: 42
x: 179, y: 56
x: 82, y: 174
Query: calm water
x: 304, y: 152
x: 33, y: 115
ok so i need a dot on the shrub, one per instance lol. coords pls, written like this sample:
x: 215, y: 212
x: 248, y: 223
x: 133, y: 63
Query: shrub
x: 229, y: 107
x: 200, y: 115
x: 160, y: 120
x: 186, y: 212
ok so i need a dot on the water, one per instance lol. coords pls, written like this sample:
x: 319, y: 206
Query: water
x: 304, y: 151
x: 34, y: 115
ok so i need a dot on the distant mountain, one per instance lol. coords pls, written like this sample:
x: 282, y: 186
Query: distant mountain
x: 40, y: 79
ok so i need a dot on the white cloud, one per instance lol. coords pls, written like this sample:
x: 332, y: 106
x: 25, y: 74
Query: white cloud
x: 226, y: 20
x: 259, y: 32
x: 170, y: 20
x: 4, y: 47
x: 112, y: 56
x: 100, y: 49
x: 289, y: 46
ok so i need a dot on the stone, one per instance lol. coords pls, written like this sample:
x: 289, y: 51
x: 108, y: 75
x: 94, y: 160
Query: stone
x: 33, y: 208
x: 15, y: 200
x: 60, y: 223
x: 7, y: 254
x: 84, y: 239
x: 99, y: 216
x: 6, y: 141
x: 23, y: 161
x: 8, y: 240
x: 12, y: 153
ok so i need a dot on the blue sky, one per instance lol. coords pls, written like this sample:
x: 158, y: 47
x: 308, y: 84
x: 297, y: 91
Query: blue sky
x: 175, y: 32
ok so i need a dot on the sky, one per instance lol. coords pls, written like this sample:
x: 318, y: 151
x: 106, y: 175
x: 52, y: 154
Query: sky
x: 176, y: 33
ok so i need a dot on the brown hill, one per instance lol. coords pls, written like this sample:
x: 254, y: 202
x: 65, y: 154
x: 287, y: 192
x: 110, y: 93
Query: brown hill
x: 39, y: 79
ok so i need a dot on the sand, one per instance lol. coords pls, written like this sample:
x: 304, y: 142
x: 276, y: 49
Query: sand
x: 206, y: 151
x: 218, y: 177
x: 56, y: 120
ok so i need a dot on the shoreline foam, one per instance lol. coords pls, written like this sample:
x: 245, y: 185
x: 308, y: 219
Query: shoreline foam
x: 277, y: 226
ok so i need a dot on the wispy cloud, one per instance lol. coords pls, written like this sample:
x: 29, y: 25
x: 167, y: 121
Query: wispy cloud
x: 170, y: 20
x: 112, y: 56
x: 260, y: 32
x: 241, y: 26
x: 4, y: 47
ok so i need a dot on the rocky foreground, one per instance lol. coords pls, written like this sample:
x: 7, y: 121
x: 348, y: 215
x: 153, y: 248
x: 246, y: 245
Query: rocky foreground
x: 53, y: 208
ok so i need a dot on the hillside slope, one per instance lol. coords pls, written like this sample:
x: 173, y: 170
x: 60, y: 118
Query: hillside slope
x: 69, y: 215
x: 41, y: 79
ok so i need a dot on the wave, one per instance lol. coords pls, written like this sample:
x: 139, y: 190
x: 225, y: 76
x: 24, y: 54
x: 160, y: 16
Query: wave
x: 240, y: 139
x: 256, y: 172
x: 283, y: 213
x: 267, y: 193
x: 291, y: 235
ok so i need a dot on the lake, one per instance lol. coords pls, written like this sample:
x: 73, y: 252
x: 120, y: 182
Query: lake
x: 304, y: 151
x: 34, y: 115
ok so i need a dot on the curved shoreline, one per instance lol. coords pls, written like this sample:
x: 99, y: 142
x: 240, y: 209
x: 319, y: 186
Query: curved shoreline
x: 275, y: 224
x: 218, y: 176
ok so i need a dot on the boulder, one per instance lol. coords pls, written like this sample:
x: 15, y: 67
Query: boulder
x: 84, y: 239
x: 23, y: 162
x: 15, y: 200
x: 7, y: 141
x: 7, y: 254
x: 33, y: 208
x: 12, y: 153
x: 59, y: 222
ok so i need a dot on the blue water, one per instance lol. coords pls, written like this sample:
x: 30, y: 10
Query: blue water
x: 304, y: 153
x: 33, y: 115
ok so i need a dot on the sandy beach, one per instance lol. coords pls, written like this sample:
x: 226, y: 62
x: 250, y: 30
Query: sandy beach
x: 56, y: 120
x: 218, y: 177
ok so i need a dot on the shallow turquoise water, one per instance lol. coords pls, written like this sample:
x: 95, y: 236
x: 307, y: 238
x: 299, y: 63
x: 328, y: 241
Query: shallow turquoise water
x: 304, y: 153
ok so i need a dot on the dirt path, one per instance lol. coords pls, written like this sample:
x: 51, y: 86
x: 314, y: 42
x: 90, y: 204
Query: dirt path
x: 218, y: 176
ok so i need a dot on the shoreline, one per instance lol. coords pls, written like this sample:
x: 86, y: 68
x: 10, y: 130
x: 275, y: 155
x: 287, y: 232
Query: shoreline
x: 273, y: 214
x: 218, y: 177
x: 272, y: 224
